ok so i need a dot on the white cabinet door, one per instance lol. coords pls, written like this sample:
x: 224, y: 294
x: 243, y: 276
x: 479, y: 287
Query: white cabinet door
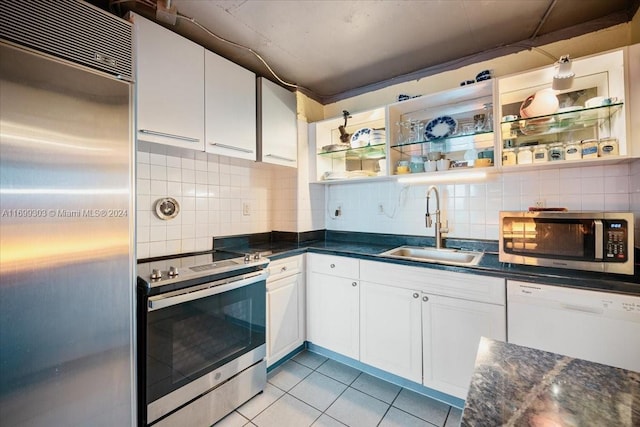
x: 169, y: 86
x: 285, y: 317
x: 230, y: 105
x: 277, y: 124
x: 391, y: 330
x: 333, y: 313
x: 451, y: 333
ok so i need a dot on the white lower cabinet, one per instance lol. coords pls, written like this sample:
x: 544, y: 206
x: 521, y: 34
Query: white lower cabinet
x: 285, y: 308
x: 418, y: 323
x: 390, y: 329
x: 451, y: 329
x: 427, y: 324
x: 333, y: 304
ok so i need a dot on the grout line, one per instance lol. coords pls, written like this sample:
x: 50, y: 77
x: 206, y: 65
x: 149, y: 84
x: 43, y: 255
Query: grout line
x: 348, y: 386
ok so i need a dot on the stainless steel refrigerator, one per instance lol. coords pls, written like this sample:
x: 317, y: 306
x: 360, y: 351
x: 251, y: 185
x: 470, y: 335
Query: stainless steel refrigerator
x: 66, y: 219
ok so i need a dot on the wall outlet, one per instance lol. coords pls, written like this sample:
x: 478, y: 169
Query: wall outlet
x: 245, y: 209
x: 540, y: 203
x: 380, y: 209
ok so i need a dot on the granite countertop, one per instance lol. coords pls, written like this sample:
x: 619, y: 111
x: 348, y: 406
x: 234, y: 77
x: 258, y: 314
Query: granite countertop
x: 369, y: 246
x: 519, y: 386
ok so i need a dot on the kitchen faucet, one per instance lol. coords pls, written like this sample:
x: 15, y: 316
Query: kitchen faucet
x: 429, y: 222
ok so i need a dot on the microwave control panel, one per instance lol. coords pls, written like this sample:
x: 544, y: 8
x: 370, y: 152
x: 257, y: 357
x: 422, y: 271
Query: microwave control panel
x: 615, y: 240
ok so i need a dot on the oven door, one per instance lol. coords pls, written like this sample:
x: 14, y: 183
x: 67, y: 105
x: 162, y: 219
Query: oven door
x: 193, y: 332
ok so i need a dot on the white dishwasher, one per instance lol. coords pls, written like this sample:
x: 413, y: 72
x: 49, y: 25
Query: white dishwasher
x: 596, y: 326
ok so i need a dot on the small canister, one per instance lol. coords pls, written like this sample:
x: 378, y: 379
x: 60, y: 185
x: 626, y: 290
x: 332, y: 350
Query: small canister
x: 525, y: 155
x: 556, y: 152
x: 589, y: 148
x: 540, y: 154
x: 608, y: 147
x: 509, y: 156
x: 572, y: 151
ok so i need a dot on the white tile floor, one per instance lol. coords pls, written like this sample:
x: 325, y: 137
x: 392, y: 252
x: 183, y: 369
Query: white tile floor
x: 311, y: 390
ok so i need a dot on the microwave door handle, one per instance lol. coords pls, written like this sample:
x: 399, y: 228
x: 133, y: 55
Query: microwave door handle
x: 598, y: 239
x: 158, y: 302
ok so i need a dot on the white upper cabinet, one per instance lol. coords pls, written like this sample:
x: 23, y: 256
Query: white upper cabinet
x: 230, y: 108
x: 169, y: 86
x: 277, y: 124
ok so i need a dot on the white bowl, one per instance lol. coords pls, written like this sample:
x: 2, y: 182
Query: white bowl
x: 596, y: 101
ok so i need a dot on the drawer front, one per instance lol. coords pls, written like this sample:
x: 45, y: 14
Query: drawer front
x: 438, y: 282
x: 285, y: 267
x: 334, y: 265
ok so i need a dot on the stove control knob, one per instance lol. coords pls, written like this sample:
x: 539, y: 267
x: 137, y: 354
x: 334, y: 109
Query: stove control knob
x: 173, y: 272
x: 256, y: 256
x: 156, y: 274
x: 247, y: 258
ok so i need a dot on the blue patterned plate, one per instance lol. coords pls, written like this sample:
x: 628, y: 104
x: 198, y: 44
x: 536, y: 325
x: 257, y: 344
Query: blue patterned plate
x: 361, y: 138
x: 440, y: 127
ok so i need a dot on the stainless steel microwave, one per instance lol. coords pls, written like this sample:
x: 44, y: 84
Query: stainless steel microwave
x: 594, y: 241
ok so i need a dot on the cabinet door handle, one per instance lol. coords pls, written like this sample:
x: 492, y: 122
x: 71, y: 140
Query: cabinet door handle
x: 168, y: 135
x: 284, y: 268
x: 416, y: 295
x: 332, y: 266
x: 275, y: 156
x: 354, y: 284
x: 425, y: 298
x: 231, y: 147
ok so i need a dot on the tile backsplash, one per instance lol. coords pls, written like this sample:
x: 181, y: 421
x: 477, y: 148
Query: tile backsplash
x: 213, y: 191
x: 472, y: 208
x: 218, y: 196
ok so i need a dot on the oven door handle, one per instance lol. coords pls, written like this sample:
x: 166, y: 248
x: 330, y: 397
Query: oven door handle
x: 214, y: 288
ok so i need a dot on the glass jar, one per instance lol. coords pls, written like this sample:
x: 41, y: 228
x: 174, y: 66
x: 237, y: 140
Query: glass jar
x: 540, y: 154
x: 556, y: 152
x: 608, y: 147
x: 525, y: 156
x: 589, y: 149
x: 509, y: 156
x: 572, y: 151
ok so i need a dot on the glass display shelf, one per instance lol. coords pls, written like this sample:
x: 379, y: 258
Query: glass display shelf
x: 560, y: 122
x: 369, y: 152
x: 437, y: 142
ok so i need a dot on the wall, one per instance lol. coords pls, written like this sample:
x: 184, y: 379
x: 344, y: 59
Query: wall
x: 211, y: 191
x: 635, y: 28
x: 634, y: 196
x: 472, y: 208
x: 587, y: 44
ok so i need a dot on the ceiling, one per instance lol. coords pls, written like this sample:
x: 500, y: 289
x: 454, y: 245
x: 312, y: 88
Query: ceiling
x: 337, y: 49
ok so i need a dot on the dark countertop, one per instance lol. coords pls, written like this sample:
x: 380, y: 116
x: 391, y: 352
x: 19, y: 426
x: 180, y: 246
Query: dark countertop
x: 368, y: 246
x: 519, y: 386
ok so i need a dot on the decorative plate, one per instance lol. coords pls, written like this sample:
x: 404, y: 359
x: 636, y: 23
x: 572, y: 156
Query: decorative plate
x: 361, y: 138
x: 440, y: 127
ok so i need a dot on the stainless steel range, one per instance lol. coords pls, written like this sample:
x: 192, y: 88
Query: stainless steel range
x: 201, y: 336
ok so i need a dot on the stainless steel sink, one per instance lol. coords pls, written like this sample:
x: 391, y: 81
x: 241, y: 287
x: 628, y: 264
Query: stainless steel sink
x: 441, y: 256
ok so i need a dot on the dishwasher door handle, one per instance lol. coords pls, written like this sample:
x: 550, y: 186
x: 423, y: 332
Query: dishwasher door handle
x: 582, y: 308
